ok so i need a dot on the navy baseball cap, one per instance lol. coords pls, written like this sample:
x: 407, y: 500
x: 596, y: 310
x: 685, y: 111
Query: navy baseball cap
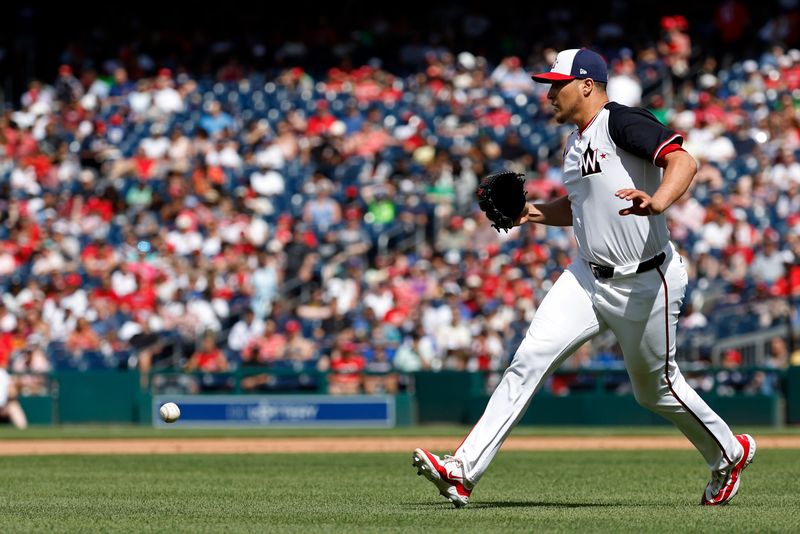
x: 575, y: 63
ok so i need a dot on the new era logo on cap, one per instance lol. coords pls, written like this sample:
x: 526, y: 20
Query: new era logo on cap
x: 575, y: 63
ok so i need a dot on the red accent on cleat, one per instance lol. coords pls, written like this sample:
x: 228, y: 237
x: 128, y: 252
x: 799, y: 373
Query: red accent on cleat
x: 730, y: 487
x: 453, y: 480
x: 447, y: 475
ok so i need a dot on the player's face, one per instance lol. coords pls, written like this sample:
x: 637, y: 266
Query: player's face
x: 563, y: 95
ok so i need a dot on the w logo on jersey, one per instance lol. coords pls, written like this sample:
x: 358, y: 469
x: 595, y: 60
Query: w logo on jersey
x: 589, y: 162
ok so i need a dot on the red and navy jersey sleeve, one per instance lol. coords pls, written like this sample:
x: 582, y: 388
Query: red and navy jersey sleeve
x: 637, y: 131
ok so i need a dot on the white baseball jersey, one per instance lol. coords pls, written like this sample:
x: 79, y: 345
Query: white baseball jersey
x: 616, y: 150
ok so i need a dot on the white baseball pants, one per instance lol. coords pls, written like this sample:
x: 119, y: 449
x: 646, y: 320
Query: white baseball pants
x: 642, y: 311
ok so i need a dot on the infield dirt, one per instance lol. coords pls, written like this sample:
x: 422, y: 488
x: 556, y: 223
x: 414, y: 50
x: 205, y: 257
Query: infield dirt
x: 24, y: 447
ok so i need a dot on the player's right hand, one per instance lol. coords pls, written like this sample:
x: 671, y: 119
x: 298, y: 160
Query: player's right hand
x: 642, y: 203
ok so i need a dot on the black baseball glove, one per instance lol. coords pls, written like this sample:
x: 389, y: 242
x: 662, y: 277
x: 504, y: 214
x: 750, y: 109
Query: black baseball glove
x: 502, y: 197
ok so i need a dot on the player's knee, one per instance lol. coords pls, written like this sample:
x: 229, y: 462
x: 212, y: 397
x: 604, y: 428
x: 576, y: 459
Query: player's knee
x: 648, y: 399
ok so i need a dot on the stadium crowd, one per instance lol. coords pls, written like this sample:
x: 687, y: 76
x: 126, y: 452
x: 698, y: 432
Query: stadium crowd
x: 327, y: 221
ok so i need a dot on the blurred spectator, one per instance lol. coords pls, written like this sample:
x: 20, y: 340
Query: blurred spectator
x: 769, y: 263
x: 379, y: 378
x: 572, y: 380
x: 147, y: 344
x: 267, y: 181
x: 487, y: 350
x: 778, y: 356
x: 244, y: 331
x: 718, y: 229
x: 265, y: 281
x: 731, y: 19
x: 345, y: 288
x: 730, y: 380
x: 83, y: 338
x: 623, y: 85
x: 380, y: 299
x: 693, y: 318
x: 416, y: 353
x: 511, y: 78
x: 166, y: 98
x: 316, y: 310
x: 323, y: 212
x: 686, y: 217
x: 454, y: 341
x: 215, y: 121
x: 266, y: 348
x: 67, y: 87
x: 452, y: 236
x: 208, y: 357
x: 675, y: 45
x: 347, y: 371
x: 298, y: 347
x: 322, y: 120
x: 786, y: 170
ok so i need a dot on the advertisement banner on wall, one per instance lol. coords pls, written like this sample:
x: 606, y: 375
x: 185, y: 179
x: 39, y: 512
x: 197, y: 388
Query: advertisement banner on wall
x: 278, y: 411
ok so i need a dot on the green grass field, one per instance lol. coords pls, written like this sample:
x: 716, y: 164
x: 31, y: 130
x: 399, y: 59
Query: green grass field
x: 642, y: 491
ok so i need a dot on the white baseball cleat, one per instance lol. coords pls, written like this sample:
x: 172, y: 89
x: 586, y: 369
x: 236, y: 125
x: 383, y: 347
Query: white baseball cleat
x: 724, y: 484
x: 446, y: 473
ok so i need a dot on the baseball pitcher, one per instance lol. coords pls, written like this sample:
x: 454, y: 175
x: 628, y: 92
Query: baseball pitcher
x: 621, y: 169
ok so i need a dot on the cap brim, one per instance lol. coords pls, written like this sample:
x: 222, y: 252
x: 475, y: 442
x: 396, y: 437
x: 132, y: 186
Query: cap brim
x: 549, y: 77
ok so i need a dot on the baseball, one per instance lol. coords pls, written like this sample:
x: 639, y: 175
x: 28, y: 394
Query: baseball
x: 169, y: 412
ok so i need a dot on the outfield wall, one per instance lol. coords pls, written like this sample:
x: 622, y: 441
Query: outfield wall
x: 441, y: 397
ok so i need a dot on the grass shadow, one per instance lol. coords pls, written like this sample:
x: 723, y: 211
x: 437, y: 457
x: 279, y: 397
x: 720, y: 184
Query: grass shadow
x: 525, y: 504
x: 541, y: 504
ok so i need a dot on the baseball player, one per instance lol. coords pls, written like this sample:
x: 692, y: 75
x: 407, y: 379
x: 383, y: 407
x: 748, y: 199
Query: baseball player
x: 9, y: 405
x: 622, y: 169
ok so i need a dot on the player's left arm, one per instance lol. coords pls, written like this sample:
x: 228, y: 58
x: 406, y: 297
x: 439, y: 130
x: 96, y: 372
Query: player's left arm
x: 638, y: 132
x: 679, y: 171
